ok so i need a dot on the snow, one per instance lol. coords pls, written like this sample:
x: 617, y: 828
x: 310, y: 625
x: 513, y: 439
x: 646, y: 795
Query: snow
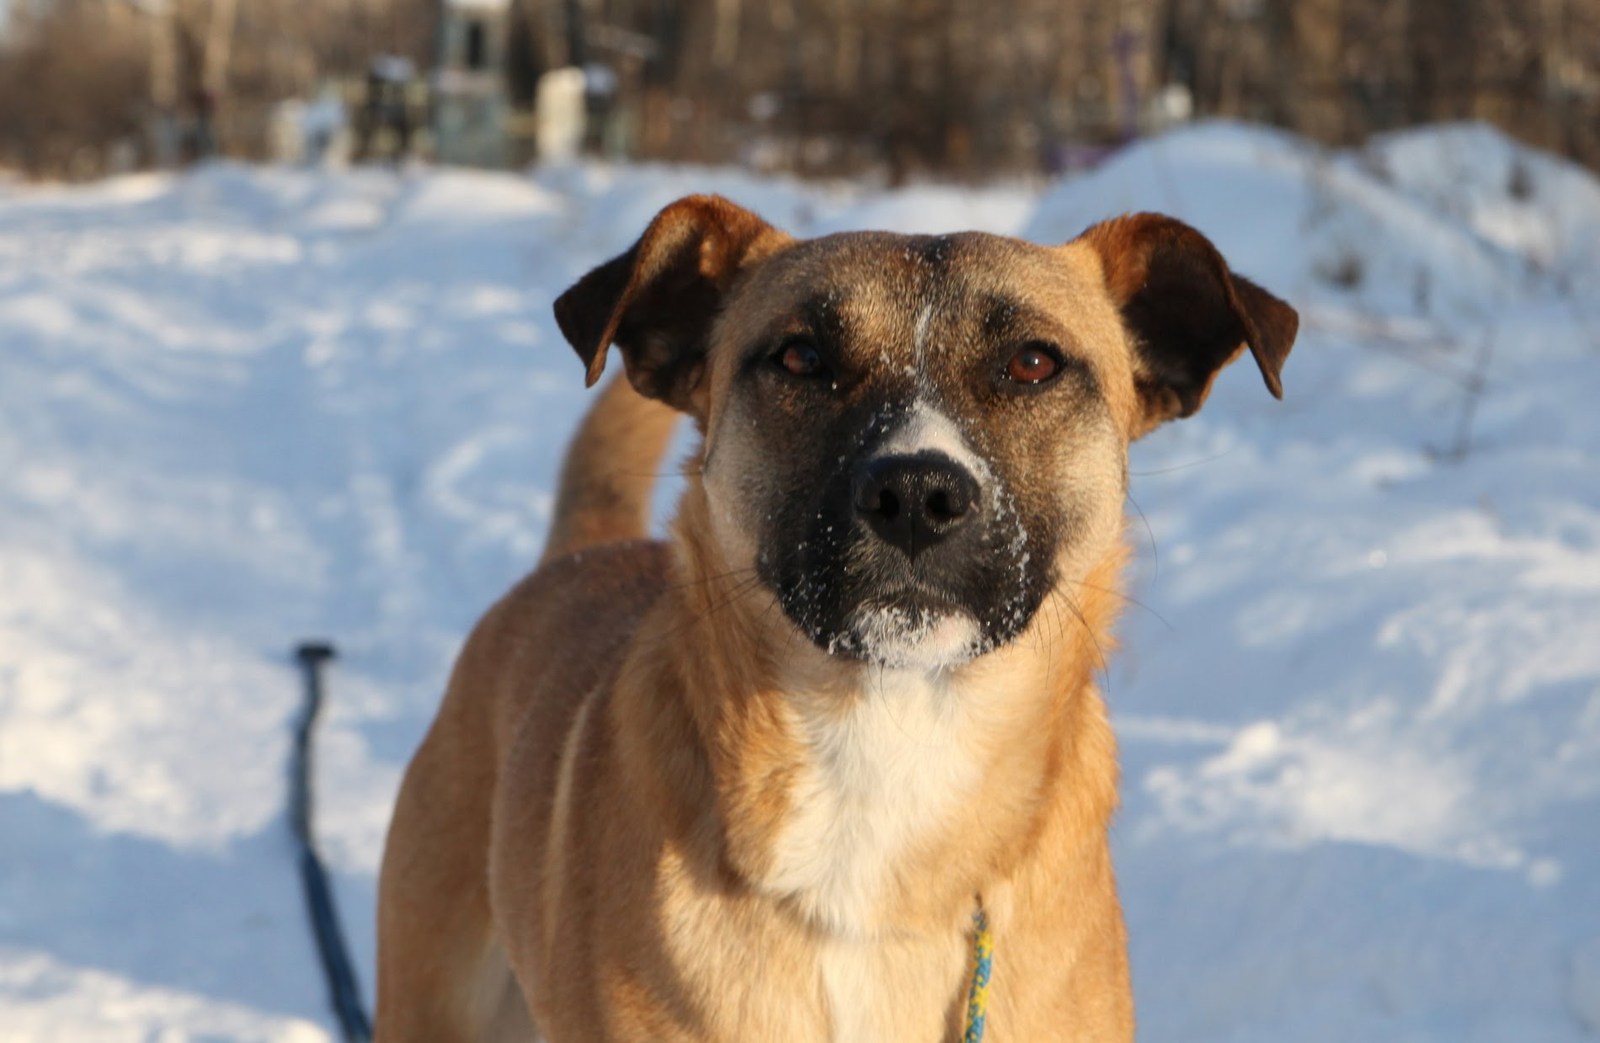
x: 1359, y: 690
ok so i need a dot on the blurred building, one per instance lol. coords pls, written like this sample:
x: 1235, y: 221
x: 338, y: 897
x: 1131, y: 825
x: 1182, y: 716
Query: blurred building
x: 469, y: 99
x: 890, y: 88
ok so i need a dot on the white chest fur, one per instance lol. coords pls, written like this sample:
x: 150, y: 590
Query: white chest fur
x: 884, y: 771
x: 884, y: 990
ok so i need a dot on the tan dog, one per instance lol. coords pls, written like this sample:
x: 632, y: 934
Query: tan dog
x: 752, y: 784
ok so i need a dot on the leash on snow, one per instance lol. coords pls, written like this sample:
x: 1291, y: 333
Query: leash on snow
x: 343, y: 992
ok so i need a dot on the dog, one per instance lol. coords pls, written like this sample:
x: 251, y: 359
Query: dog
x: 764, y: 780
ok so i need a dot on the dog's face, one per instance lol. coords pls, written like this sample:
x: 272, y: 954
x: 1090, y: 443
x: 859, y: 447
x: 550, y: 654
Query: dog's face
x: 912, y: 439
x: 907, y: 433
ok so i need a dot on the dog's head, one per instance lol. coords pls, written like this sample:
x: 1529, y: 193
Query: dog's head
x: 914, y: 439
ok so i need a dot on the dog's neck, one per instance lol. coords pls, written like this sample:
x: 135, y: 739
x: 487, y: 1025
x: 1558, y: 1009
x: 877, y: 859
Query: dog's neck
x: 878, y: 800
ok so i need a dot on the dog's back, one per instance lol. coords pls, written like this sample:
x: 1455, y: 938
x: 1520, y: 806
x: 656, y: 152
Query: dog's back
x: 609, y: 472
x: 523, y: 671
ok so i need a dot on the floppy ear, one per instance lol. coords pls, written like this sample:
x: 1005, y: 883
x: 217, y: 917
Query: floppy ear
x: 657, y: 301
x: 1187, y: 313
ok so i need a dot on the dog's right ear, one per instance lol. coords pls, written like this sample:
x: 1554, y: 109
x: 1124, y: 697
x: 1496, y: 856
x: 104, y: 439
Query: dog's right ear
x: 1187, y: 312
x: 657, y: 301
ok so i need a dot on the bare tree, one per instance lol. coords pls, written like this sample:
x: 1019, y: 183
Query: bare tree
x: 900, y: 88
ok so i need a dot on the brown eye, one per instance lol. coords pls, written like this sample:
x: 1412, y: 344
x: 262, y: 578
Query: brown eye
x: 800, y: 358
x: 1033, y: 363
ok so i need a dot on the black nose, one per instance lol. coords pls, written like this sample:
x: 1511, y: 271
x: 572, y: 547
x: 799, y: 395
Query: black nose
x: 913, y: 502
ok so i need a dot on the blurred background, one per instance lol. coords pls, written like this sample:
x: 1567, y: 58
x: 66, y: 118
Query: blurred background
x: 277, y: 361
x: 892, y: 88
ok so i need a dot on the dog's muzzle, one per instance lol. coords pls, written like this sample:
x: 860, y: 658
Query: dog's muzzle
x: 904, y: 558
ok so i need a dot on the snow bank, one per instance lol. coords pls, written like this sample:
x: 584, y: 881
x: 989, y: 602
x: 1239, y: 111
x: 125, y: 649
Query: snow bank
x: 1359, y: 697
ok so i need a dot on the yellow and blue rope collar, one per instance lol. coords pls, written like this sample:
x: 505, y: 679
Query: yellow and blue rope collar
x: 982, y: 968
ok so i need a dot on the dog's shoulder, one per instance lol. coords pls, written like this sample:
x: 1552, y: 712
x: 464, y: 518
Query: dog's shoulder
x: 555, y: 633
x: 617, y: 574
x: 585, y: 603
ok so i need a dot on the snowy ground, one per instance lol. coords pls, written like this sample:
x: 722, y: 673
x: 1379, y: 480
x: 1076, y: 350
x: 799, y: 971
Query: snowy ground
x: 1359, y: 700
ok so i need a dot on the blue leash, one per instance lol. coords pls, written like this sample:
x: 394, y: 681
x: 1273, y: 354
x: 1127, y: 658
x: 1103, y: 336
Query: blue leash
x: 982, y: 968
x: 343, y: 991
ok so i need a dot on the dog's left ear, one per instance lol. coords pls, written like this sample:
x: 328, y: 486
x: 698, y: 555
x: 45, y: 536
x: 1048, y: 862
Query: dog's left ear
x: 1187, y: 313
x: 657, y: 301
